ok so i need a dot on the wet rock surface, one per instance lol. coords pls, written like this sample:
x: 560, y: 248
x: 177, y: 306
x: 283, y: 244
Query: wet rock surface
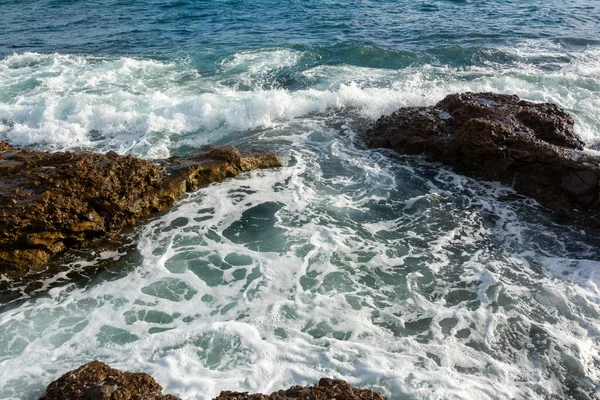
x: 53, y: 201
x: 98, y: 381
x: 529, y: 146
x: 325, y: 389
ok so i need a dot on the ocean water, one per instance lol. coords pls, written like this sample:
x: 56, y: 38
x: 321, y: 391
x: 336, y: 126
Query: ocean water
x: 384, y: 270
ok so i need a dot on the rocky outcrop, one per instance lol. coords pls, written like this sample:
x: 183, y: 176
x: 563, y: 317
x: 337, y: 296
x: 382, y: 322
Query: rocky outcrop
x: 53, y: 201
x: 98, y: 381
x: 326, y: 389
x: 530, y: 146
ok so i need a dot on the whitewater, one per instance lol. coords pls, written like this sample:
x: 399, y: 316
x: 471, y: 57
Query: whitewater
x: 387, y: 271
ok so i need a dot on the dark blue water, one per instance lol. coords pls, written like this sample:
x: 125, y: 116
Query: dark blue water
x: 429, y: 28
x: 387, y: 271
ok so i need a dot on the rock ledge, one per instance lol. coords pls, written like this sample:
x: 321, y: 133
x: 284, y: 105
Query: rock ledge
x: 530, y: 146
x: 53, y: 201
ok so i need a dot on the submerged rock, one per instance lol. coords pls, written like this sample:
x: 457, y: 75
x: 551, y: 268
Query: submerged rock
x: 530, y: 146
x: 98, y: 381
x: 53, y: 201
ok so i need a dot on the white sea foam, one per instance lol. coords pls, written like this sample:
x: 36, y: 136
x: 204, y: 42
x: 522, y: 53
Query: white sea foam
x: 258, y: 66
x: 382, y: 270
x: 270, y: 280
x: 146, y: 107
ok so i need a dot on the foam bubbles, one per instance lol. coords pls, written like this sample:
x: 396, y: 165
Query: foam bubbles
x: 362, y: 265
x: 392, y: 275
x: 147, y: 107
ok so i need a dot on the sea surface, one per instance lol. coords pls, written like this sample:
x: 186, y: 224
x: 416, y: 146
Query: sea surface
x: 392, y: 273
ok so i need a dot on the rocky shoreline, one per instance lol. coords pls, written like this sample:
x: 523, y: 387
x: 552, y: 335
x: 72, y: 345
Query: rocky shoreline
x: 98, y: 381
x: 530, y: 146
x: 50, y: 202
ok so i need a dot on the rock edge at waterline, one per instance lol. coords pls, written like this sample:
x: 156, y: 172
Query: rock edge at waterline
x: 529, y: 146
x: 98, y: 381
x: 53, y: 201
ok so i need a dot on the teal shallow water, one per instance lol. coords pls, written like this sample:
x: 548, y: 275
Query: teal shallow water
x: 386, y: 271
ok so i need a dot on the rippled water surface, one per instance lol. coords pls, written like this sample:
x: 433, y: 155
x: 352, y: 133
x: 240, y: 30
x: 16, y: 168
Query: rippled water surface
x: 392, y: 273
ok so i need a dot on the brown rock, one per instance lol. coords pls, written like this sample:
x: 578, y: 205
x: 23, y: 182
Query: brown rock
x: 98, y: 381
x: 326, y: 389
x: 529, y: 146
x: 53, y: 201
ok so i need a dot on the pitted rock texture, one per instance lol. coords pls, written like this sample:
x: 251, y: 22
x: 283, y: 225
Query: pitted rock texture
x: 98, y: 381
x: 530, y: 146
x: 326, y: 389
x: 53, y: 201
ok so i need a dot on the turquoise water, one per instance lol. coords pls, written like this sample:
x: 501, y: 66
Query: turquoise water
x: 387, y: 271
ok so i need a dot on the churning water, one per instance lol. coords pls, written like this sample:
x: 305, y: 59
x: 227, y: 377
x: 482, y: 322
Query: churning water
x: 387, y: 271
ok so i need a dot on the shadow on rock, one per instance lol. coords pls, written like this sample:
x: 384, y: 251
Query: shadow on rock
x: 530, y: 146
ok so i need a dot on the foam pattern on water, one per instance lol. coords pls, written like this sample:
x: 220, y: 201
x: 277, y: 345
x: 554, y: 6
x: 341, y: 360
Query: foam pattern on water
x: 383, y: 270
x: 150, y: 108
x: 389, y: 273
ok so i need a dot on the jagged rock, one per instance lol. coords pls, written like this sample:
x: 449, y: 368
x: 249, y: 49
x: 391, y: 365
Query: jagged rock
x: 530, y: 146
x: 98, y: 381
x: 326, y: 389
x: 53, y: 201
